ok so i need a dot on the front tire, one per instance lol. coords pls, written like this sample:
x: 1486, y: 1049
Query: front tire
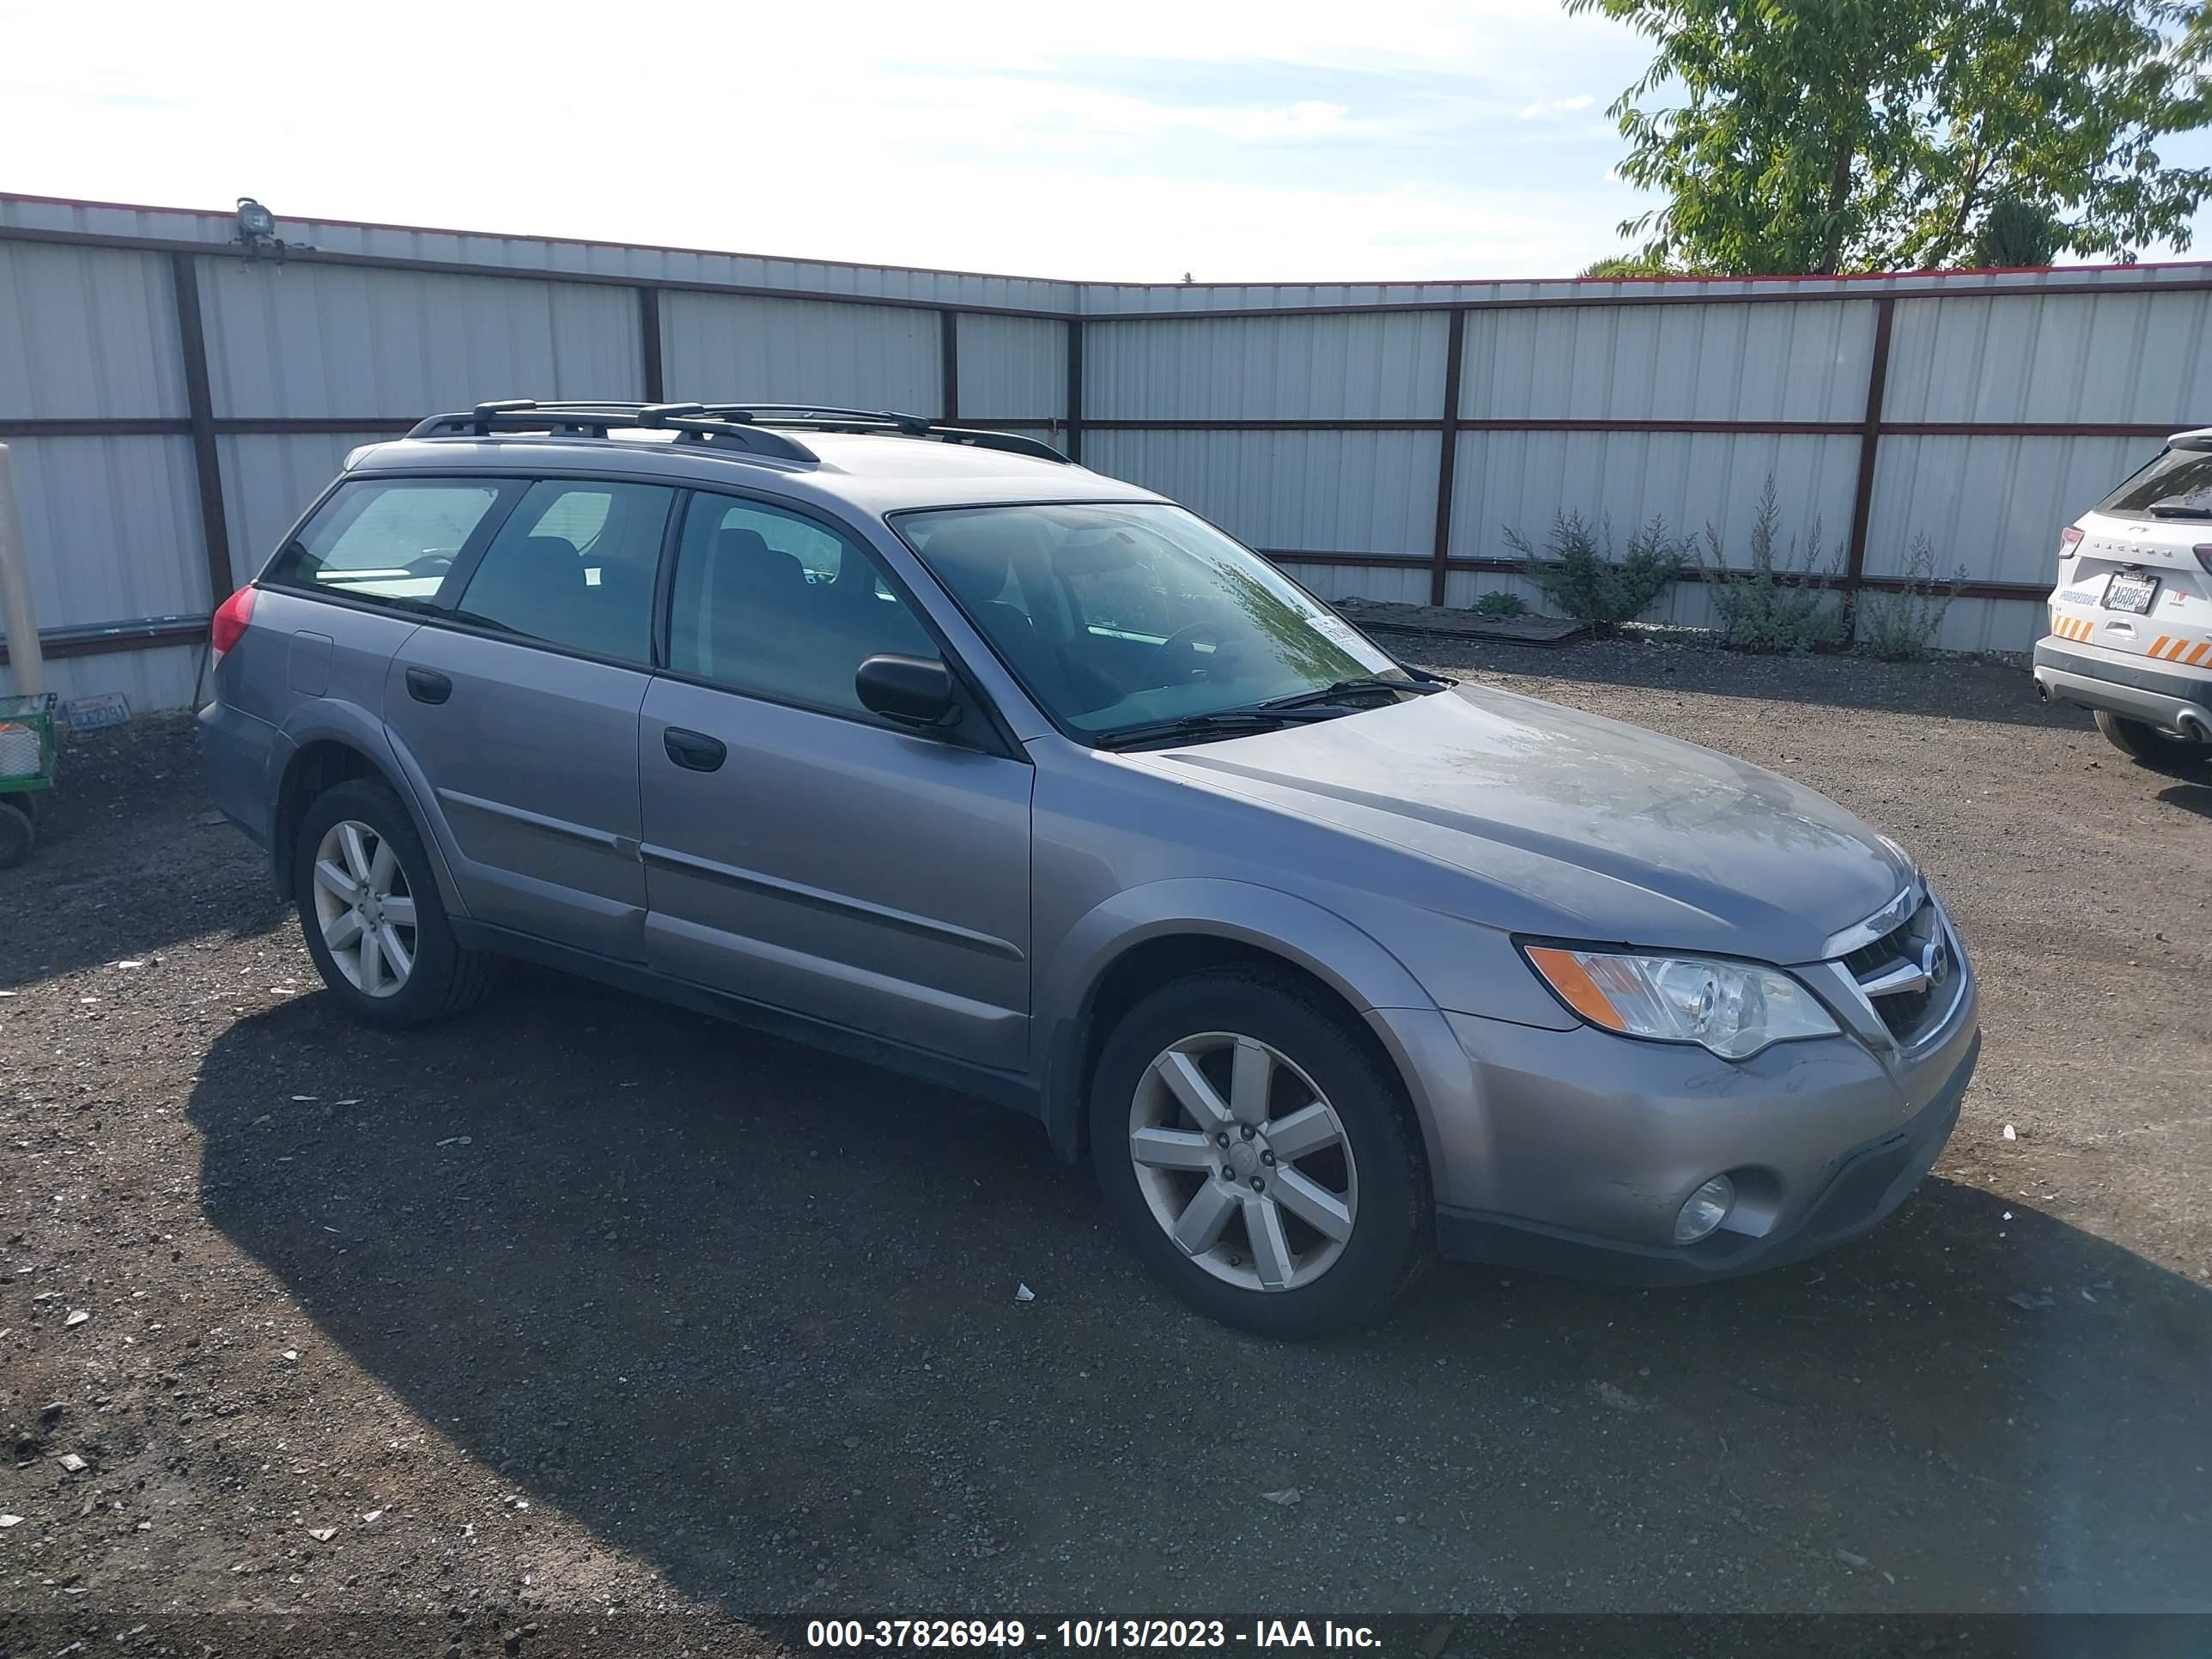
x: 1259, y: 1157
x: 2160, y: 751
x: 370, y: 911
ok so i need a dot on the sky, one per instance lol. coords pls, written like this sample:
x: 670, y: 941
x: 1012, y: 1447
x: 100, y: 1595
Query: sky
x: 1131, y: 140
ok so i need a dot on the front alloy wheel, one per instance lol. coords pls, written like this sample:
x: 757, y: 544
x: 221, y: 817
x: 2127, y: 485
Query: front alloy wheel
x: 1258, y: 1149
x: 1243, y: 1162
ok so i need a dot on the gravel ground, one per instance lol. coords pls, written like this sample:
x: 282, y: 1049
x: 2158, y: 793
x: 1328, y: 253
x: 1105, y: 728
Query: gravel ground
x: 585, y: 1308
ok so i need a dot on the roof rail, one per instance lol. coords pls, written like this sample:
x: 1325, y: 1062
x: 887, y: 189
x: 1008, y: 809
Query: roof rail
x: 693, y: 422
x: 828, y: 418
x: 742, y: 425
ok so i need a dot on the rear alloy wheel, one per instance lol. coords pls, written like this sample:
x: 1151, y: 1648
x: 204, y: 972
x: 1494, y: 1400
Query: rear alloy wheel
x: 364, y: 907
x: 1260, y: 1155
x: 370, y: 910
x: 2160, y: 750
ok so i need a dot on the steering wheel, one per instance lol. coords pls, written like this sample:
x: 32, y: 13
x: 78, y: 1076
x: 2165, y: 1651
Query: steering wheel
x: 1165, y: 668
x: 429, y: 564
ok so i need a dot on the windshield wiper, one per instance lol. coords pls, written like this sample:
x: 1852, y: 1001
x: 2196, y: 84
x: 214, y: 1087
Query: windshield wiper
x: 2165, y: 510
x: 1345, y: 688
x: 1222, y: 722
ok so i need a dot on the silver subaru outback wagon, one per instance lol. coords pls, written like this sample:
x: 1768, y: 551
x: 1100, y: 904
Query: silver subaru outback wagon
x: 933, y: 748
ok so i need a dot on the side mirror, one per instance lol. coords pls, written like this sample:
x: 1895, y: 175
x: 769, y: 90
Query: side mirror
x: 912, y: 690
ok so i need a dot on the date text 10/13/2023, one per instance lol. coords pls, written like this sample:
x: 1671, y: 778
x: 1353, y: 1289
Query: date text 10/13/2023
x: 1082, y: 1635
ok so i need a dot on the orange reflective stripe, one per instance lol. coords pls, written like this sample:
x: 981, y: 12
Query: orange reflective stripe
x: 2197, y: 655
x: 2159, y: 650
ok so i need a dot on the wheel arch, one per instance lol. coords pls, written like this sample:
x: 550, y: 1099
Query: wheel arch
x: 328, y: 750
x: 1145, y: 936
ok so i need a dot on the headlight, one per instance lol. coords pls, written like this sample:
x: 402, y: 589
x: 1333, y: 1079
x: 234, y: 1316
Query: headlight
x: 1734, y: 1008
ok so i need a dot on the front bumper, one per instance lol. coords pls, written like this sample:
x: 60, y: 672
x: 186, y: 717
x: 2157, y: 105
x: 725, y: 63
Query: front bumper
x: 2174, y: 700
x: 1594, y: 1141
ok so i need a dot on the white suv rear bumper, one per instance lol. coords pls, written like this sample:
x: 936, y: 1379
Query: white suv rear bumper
x: 2174, y: 699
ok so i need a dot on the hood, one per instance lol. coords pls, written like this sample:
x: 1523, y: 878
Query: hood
x: 1577, y: 827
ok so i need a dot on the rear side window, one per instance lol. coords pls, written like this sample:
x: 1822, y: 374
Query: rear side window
x: 388, y: 540
x: 2179, y: 482
x: 574, y: 566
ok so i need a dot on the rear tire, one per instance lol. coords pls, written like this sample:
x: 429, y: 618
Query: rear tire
x: 17, y: 835
x: 370, y: 911
x: 1310, y: 1223
x: 2160, y: 751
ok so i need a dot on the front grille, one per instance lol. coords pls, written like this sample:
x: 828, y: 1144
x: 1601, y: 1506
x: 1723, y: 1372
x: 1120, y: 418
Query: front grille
x: 1870, y: 959
x: 1905, y: 1013
x: 1911, y: 1009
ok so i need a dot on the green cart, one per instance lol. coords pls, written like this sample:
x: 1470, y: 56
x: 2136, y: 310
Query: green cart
x: 28, y: 748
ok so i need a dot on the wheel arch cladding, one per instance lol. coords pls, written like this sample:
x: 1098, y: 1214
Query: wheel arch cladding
x: 1146, y: 937
x: 324, y: 755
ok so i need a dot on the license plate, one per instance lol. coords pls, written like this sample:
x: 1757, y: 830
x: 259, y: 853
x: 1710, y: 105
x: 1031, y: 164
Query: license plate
x: 2132, y: 593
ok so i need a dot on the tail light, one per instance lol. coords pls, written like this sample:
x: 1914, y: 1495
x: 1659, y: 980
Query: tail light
x: 2069, y: 540
x: 2203, y: 552
x: 229, y: 626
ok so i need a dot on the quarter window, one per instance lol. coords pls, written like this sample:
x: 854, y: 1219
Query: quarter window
x: 574, y: 566
x: 387, y: 540
x: 772, y: 604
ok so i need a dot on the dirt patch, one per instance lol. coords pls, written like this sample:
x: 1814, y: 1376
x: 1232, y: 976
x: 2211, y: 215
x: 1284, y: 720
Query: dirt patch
x: 583, y: 1309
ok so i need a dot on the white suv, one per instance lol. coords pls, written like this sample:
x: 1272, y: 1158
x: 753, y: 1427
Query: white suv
x: 2131, y: 616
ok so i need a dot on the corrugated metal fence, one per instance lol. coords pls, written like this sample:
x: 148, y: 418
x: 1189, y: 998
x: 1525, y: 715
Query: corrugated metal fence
x: 171, y: 403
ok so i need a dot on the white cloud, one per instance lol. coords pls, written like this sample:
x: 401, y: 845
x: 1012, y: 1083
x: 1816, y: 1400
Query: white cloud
x: 1239, y: 139
x: 1581, y: 100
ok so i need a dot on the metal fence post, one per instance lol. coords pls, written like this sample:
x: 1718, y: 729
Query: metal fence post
x: 1448, y: 456
x: 1885, y: 312
x: 16, y: 616
x: 648, y: 343
x: 1075, y: 388
x: 948, y: 352
x: 199, y: 401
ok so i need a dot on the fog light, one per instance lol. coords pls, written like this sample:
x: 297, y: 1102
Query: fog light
x: 1705, y: 1210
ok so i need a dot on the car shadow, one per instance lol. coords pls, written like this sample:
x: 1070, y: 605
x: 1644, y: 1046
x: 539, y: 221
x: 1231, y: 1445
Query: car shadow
x: 751, y: 1314
x: 2190, y: 798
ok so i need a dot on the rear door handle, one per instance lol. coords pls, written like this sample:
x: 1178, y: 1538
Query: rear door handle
x: 427, y: 685
x: 693, y: 750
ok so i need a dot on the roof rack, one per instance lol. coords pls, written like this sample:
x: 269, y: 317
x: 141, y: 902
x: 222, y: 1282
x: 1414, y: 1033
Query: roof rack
x: 596, y: 419
x: 742, y: 426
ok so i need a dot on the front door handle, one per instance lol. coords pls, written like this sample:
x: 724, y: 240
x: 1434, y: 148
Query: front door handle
x: 693, y: 750
x: 427, y: 685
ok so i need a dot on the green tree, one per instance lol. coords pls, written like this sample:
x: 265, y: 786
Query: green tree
x: 1630, y: 264
x: 2015, y: 233
x: 1818, y: 136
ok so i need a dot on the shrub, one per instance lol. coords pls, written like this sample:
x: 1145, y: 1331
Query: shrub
x: 1775, y: 604
x: 1900, y: 627
x: 1577, y: 572
x: 1499, y: 603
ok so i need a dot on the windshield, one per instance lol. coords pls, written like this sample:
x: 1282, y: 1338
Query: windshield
x: 1120, y: 615
x: 2179, y: 481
